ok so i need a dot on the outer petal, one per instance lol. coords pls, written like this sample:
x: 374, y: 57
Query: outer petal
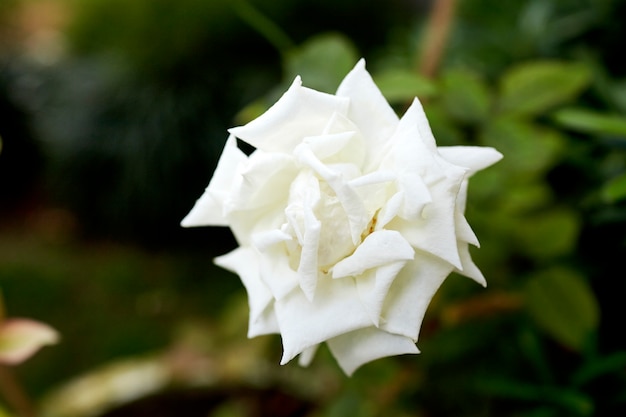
x: 464, y: 231
x: 472, y: 157
x: 427, y: 217
x: 416, y: 163
x: 465, y: 236
x: 258, y: 193
x: 365, y: 345
x: 369, y: 110
x: 335, y: 310
x: 244, y: 262
x: 373, y: 287
x: 276, y: 272
x: 469, y: 269
x: 21, y: 338
x: 300, y: 112
x: 307, y: 355
x: 434, y: 232
x: 422, y: 124
x: 263, y: 181
x: 414, y: 150
x: 411, y: 292
x: 209, y: 209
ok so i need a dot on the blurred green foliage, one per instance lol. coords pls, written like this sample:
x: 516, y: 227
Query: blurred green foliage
x: 128, y: 126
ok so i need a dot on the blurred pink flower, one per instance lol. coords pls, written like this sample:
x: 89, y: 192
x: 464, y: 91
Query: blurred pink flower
x: 21, y: 338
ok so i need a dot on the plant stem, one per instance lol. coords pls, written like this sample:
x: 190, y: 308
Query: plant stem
x: 14, y: 394
x: 437, y: 32
x: 263, y: 25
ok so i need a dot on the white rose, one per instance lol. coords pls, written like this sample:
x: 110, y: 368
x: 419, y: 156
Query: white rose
x: 348, y: 220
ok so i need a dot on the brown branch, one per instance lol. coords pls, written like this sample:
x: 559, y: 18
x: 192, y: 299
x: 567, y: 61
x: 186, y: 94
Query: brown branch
x: 14, y: 394
x: 437, y: 32
x: 490, y: 304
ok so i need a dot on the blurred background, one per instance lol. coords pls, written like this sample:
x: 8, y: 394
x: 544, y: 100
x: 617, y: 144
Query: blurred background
x: 113, y: 114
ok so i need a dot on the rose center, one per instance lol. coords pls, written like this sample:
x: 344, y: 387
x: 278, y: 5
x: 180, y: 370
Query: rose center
x: 310, y: 195
x: 335, y: 239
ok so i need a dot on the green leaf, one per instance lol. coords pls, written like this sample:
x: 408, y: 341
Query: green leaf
x: 525, y: 197
x: 549, y: 234
x: 534, y: 352
x: 465, y: 96
x: 534, y: 87
x: 252, y: 111
x: 589, y: 121
x: 4, y: 412
x: 527, y: 148
x: 401, y: 85
x: 615, y: 189
x: 574, y: 402
x: 562, y: 304
x: 540, y: 412
x: 599, y: 367
x: 349, y: 402
x: 445, y: 130
x: 322, y: 62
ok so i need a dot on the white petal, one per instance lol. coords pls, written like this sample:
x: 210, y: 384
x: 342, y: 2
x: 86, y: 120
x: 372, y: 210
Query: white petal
x: 373, y: 178
x: 347, y: 195
x: 359, y: 347
x: 416, y: 195
x: 337, y: 148
x: 308, y: 270
x: 474, y: 158
x: 416, y: 116
x: 265, y: 180
x: 336, y: 309
x: 413, y: 149
x: 299, y: 113
x: 353, y: 150
x: 464, y: 231
x: 374, y: 190
x: 325, y: 146
x: 276, y: 272
x: 369, y: 110
x: 390, y: 210
x: 411, y: 292
x: 373, y: 287
x: 307, y: 355
x: 21, y: 338
x: 249, y: 224
x: 470, y: 269
x: 435, y: 230
x: 264, y: 240
x: 209, y: 209
x: 379, y: 248
x: 244, y: 262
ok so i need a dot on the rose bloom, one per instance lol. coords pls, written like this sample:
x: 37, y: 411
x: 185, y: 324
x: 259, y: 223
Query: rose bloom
x: 348, y: 219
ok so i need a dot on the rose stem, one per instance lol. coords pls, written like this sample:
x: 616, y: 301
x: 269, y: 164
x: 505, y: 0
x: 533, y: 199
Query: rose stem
x: 437, y: 31
x: 14, y: 393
